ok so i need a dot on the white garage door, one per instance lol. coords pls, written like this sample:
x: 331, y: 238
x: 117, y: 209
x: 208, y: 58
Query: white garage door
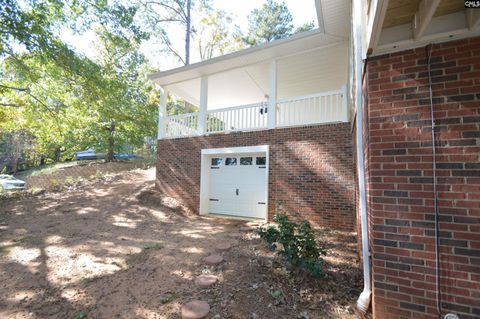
x: 238, y: 185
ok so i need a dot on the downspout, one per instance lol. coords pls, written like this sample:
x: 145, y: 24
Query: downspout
x: 364, y: 299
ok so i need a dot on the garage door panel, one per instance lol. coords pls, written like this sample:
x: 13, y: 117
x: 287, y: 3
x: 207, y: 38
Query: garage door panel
x: 238, y: 189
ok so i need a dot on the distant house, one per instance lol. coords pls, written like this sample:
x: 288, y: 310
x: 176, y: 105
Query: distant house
x: 335, y: 126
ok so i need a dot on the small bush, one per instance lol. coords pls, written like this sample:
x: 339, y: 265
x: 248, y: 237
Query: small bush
x: 298, y: 241
x: 54, y: 184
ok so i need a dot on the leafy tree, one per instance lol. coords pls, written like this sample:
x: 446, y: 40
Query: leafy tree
x: 123, y: 112
x: 66, y: 101
x: 307, y: 26
x: 271, y: 22
x: 214, y: 35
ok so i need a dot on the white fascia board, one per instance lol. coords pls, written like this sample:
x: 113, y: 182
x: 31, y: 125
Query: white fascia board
x: 320, y: 17
x: 378, y: 9
x: 233, y: 150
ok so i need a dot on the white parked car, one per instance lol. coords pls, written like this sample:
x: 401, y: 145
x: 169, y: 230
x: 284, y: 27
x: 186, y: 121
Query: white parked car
x: 89, y: 154
x: 8, y: 182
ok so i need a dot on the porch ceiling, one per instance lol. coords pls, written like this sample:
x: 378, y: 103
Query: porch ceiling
x: 312, y: 71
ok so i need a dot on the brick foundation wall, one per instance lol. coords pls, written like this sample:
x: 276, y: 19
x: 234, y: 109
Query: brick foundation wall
x: 311, y: 170
x: 401, y: 181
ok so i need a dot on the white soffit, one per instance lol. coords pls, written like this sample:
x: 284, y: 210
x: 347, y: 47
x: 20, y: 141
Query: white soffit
x: 188, y: 90
x: 336, y: 15
x: 231, y: 88
x: 312, y: 72
x: 238, y: 87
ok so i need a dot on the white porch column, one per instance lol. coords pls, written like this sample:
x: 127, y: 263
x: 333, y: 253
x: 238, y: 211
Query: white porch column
x: 162, y: 114
x: 272, y: 95
x: 202, y: 116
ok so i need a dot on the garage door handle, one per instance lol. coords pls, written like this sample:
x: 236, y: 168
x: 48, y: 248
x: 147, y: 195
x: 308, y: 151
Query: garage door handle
x: 236, y: 192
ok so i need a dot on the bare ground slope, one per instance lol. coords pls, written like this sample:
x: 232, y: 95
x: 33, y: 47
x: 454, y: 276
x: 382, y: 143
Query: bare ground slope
x: 118, y: 249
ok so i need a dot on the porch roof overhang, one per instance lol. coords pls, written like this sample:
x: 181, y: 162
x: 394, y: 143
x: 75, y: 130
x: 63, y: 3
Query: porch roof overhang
x: 242, y: 77
x: 274, y: 50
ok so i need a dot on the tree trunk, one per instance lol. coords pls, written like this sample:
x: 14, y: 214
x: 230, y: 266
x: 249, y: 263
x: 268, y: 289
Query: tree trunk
x: 15, y: 165
x: 111, y: 142
x: 57, y: 154
x: 187, y: 35
x: 17, y: 153
x: 187, y: 46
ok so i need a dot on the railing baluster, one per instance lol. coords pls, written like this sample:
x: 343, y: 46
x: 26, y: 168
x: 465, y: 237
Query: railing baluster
x: 213, y: 119
x: 290, y: 113
x: 308, y: 112
x: 336, y: 107
x: 212, y: 122
x: 242, y: 117
x: 329, y: 108
x: 294, y: 108
x: 291, y: 120
x: 322, y: 109
x: 227, y: 115
x: 252, y: 112
x: 225, y: 125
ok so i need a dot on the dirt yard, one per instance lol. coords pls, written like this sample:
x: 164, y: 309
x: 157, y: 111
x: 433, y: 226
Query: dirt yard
x: 117, y: 249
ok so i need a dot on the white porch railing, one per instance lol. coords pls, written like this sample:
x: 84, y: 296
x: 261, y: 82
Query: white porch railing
x: 182, y: 125
x: 239, y: 118
x: 325, y: 107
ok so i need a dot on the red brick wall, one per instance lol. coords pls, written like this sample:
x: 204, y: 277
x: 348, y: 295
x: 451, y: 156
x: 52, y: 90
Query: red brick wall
x: 311, y: 170
x: 401, y: 183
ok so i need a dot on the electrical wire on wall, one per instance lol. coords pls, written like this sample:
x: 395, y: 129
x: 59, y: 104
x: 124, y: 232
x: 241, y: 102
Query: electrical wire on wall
x: 428, y: 50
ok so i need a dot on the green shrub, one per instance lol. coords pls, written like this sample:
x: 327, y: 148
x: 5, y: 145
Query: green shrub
x: 298, y: 241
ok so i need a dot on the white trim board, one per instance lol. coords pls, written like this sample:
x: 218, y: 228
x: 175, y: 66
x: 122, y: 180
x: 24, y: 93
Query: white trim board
x: 241, y: 149
x: 206, y: 155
